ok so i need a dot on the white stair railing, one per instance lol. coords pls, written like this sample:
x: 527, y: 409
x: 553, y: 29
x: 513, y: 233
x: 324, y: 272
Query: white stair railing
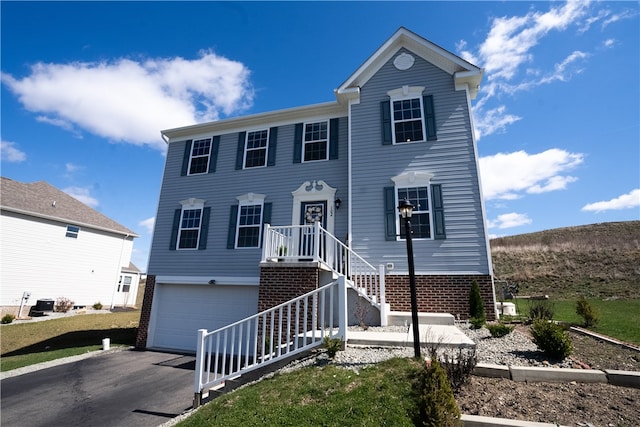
x: 313, y: 243
x: 269, y: 336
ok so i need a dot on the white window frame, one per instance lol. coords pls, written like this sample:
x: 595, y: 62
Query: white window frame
x: 190, y: 205
x: 199, y: 156
x: 327, y: 140
x: 249, y: 199
x: 247, y: 149
x: 403, y: 94
x: 414, y: 179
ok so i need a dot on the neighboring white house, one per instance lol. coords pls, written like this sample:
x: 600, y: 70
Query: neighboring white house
x: 53, y: 245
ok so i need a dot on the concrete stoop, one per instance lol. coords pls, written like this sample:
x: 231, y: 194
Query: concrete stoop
x: 440, y: 335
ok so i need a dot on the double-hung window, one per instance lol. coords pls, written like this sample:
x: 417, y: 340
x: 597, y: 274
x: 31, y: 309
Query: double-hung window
x: 315, y: 145
x: 420, y: 221
x: 200, y: 153
x: 247, y: 220
x: 72, y: 231
x: 256, y: 149
x: 427, y: 221
x: 408, y: 116
x: 190, y: 226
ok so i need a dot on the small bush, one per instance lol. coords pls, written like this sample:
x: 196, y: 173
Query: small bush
x: 499, y: 330
x: 541, y: 309
x: 476, y: 306
x: 333, y: 345
x: 436, y: 402
x: 552, y: 339
x: 63, y: 305
x: 459, y: 366
x: 97, y: 306
x: 589, y: 314
x: 7, y: 318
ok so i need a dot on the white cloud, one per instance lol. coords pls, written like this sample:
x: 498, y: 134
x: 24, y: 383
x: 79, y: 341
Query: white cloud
x: 508, y: 175
x: 10, y: 153
x: 509, y: 220
x: 71, y: 168
x: 626, y: 201
x: 82, y: 194
x: 131, y: 101
x: 148, y: 224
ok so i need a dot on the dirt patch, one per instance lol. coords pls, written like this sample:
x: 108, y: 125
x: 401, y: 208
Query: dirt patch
x: 569, y: 404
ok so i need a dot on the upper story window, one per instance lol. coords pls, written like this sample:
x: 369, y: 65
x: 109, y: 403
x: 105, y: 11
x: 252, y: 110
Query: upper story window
x: 249, y: 225
x: 256, y: 149
x: 408, y: 116
x: 72, y: 231
x: 200, y: 151
x: 315, y: 144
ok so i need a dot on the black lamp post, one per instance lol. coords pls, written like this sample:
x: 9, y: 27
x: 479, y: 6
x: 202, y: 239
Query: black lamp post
x: 406, y: 210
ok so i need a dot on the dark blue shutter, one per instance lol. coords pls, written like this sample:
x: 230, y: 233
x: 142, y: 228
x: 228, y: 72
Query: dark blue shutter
x: 297, y: 144
x: 242, y: 136
x: 266, y: 217
x: 186, y: 157
x: 390, y: 214
x: 273, y: 140
x: 429, y: 117
x: 334, y: 128
x: 385, y: 108
x: 213, y: 156
x: 233, y: 220
x: 438, y: 212
x: 174, y: 230
x: 204, y: 228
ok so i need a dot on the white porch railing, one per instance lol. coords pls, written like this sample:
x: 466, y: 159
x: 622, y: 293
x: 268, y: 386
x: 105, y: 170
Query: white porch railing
x: 282, y: 331
x: 313, y: 243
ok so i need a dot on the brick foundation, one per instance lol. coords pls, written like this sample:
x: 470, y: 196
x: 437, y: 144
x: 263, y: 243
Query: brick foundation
x: 145, y: 313
x: 439, y: 294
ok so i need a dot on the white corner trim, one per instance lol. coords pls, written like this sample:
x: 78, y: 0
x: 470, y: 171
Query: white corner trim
x: 413, y: 178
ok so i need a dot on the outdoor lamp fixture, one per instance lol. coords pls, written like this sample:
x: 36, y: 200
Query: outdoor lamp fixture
x: 337, y: 202
x: 406, y: 210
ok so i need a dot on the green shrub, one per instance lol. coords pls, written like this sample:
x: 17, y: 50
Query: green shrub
x: 7, y: 318
x: 499, y: 330
x: 476, y: 306
x: 436, y: 402
x: 333, y: 345
x: 588, y: 313
x: 551, y: 338
x: 97, y: 306
x: 541, y: 309
x: 63, y: 305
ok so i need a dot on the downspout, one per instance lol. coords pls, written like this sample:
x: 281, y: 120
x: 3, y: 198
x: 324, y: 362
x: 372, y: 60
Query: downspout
x: 119, y: 272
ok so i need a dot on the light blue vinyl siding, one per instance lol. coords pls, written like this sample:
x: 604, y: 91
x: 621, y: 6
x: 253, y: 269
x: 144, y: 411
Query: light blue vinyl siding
x: 450, y: 158
x: 220, y: 189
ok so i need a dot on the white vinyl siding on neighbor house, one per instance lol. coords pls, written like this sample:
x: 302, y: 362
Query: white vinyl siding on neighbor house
x: 85, y: 270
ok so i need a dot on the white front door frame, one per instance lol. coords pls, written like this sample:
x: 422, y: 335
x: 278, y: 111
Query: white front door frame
x: 312, y: 191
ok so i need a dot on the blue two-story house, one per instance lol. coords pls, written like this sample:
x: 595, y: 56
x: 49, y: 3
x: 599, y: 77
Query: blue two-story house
x: 259, y: 209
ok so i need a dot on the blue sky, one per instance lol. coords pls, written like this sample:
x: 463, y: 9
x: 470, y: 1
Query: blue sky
x: 87, y: 87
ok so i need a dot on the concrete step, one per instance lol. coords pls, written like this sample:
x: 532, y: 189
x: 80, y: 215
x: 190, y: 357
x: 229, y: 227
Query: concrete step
x: 400, y: 318
x: 446, y: 336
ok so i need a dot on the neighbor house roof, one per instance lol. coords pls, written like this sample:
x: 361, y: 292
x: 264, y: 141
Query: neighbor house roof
x: 42, y: 200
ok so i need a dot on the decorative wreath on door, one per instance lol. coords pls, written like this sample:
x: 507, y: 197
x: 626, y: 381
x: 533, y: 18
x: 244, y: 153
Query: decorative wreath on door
x: 313, y: 214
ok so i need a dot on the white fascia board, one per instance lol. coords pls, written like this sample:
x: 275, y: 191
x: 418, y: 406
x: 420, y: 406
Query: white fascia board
x: 68, y: 221
x: 268, y: 119
x: 470, y: 80
x: 204, y: 280
x: 427, y: 50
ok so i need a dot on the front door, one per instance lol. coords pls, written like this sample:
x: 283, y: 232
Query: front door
x: 124, y: 287
x: 310, y: 213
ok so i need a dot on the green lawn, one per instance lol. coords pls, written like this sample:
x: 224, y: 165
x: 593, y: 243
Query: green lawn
x: 380, y: 395
x: 618, y: 318
x: 29, y: 343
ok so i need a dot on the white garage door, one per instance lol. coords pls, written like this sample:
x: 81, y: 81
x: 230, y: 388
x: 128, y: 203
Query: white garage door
x: 183, y: 309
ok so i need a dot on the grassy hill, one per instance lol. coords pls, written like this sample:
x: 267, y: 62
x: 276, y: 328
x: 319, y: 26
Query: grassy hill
x: 597, y: 261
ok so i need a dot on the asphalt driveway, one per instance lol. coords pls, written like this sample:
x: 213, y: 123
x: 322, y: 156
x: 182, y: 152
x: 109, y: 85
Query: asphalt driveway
x: 124, y: 388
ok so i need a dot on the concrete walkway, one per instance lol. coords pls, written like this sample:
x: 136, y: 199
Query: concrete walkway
x: 444, y: 336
